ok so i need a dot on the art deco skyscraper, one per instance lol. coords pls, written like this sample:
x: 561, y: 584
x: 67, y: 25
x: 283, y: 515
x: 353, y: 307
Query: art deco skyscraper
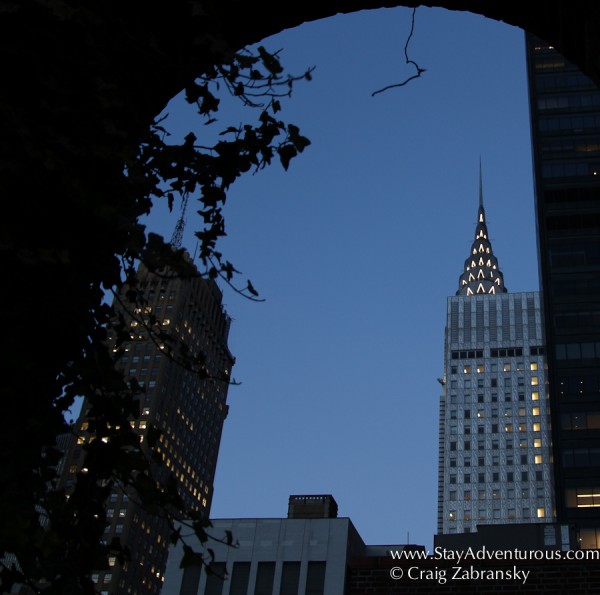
x: 188, y: 409
x: 494, y: 455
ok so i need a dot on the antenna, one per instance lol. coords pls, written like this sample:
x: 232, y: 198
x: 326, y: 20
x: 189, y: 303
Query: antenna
x: 177, y: 236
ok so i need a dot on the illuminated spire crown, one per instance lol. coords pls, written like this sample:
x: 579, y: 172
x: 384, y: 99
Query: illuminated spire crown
x: 482, y: 274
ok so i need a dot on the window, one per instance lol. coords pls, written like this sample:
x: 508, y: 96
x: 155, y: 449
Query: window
x: 535, y: 411
x: 290, y: 577
x: 315, y: 578
x: 480, y: 368
x: 510, y: 476
x: 524, y: 459
x: 467, y: 369
x: 524, y: 476
x: 265, y: 575
x: 533, y: 366
x: 494, y: 382
x: 540, y: 513
x: 506, y: 367
x: 534, y: 381
x: 583, y: 497
x: 535, y: 396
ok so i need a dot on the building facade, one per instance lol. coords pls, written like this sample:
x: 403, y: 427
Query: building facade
x: 311, y: 552
x: 494, y: 443
x: 565, y: 132
x: 187, y: 407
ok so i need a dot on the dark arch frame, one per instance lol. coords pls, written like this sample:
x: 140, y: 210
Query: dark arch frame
x: 80, y: 86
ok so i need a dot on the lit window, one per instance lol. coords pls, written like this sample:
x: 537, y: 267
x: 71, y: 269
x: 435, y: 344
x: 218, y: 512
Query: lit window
x: 540, y: 513
x: 534, y: 381
x: 506, y: 367
x: 480, y: 368
x: 537, y: 427
x: 538, y: 459
x: 535, y: 396
x: 508, y: 428
x: 536, y: 411
x: 537, y: 443
x: 533, y: 366
x: 467, y: 369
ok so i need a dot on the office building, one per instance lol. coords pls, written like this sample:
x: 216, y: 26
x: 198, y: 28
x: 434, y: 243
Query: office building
x: 188, y: 407
x: 494, y: 445
x: 312, y: 552
x: 565, y: 131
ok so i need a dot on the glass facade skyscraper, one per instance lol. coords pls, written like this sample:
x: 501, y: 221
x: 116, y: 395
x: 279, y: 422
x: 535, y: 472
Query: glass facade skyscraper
x: 565, y: 130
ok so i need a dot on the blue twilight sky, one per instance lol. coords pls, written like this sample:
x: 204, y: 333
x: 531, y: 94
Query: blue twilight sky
x: 355, y: 249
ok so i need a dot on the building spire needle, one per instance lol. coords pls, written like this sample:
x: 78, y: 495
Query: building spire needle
x: 480, y: 185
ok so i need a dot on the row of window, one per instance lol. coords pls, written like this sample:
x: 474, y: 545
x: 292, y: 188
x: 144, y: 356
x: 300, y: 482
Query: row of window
x: 480, y: 368
x: 495, y: 444
x: 569, y: 124
x: 495, y: 460
x: 496, y: 477
x: 496, y: 494
x: 508, y: 412
x: 535, y: 396
x: 589, y: 420
x: 496, y: 352
x: 571, y: 169
x: 569, y: 101
x: 483, y: 515
x: 505, y: 381
x: 576, y: 351
x: 238, y: 578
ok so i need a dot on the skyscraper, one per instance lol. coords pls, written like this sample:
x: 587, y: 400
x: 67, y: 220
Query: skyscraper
x: 494, y: 447
x: 188, y: 408
x: 565, y: 131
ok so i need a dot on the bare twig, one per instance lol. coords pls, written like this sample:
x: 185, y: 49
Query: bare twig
x: 408, y: 61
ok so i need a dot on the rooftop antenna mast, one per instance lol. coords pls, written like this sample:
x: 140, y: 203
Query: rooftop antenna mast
x: 177, y: 236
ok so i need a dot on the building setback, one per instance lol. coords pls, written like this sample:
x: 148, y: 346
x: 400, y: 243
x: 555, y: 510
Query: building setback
x: 565, y: 132
x: 189, y: 411
x: 494, y: 444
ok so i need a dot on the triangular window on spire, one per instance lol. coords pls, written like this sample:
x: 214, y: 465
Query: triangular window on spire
x: 469, y: 291
x: 488, y: 263
x: 474, y: 251
x: 487, y: 250
x: 498, y: 282
x: 480, y: 274
x: 471, y: 278
x: 492, y: 289
x: 473, y: 264
x: 481, y: 248
x: 464, y: 282
x: 480, y: 262
x: 480, y: 288
x: 494, y: 267
x: 481, y: 218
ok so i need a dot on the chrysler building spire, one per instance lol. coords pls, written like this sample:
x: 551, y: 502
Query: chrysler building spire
x: 481, y: 274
